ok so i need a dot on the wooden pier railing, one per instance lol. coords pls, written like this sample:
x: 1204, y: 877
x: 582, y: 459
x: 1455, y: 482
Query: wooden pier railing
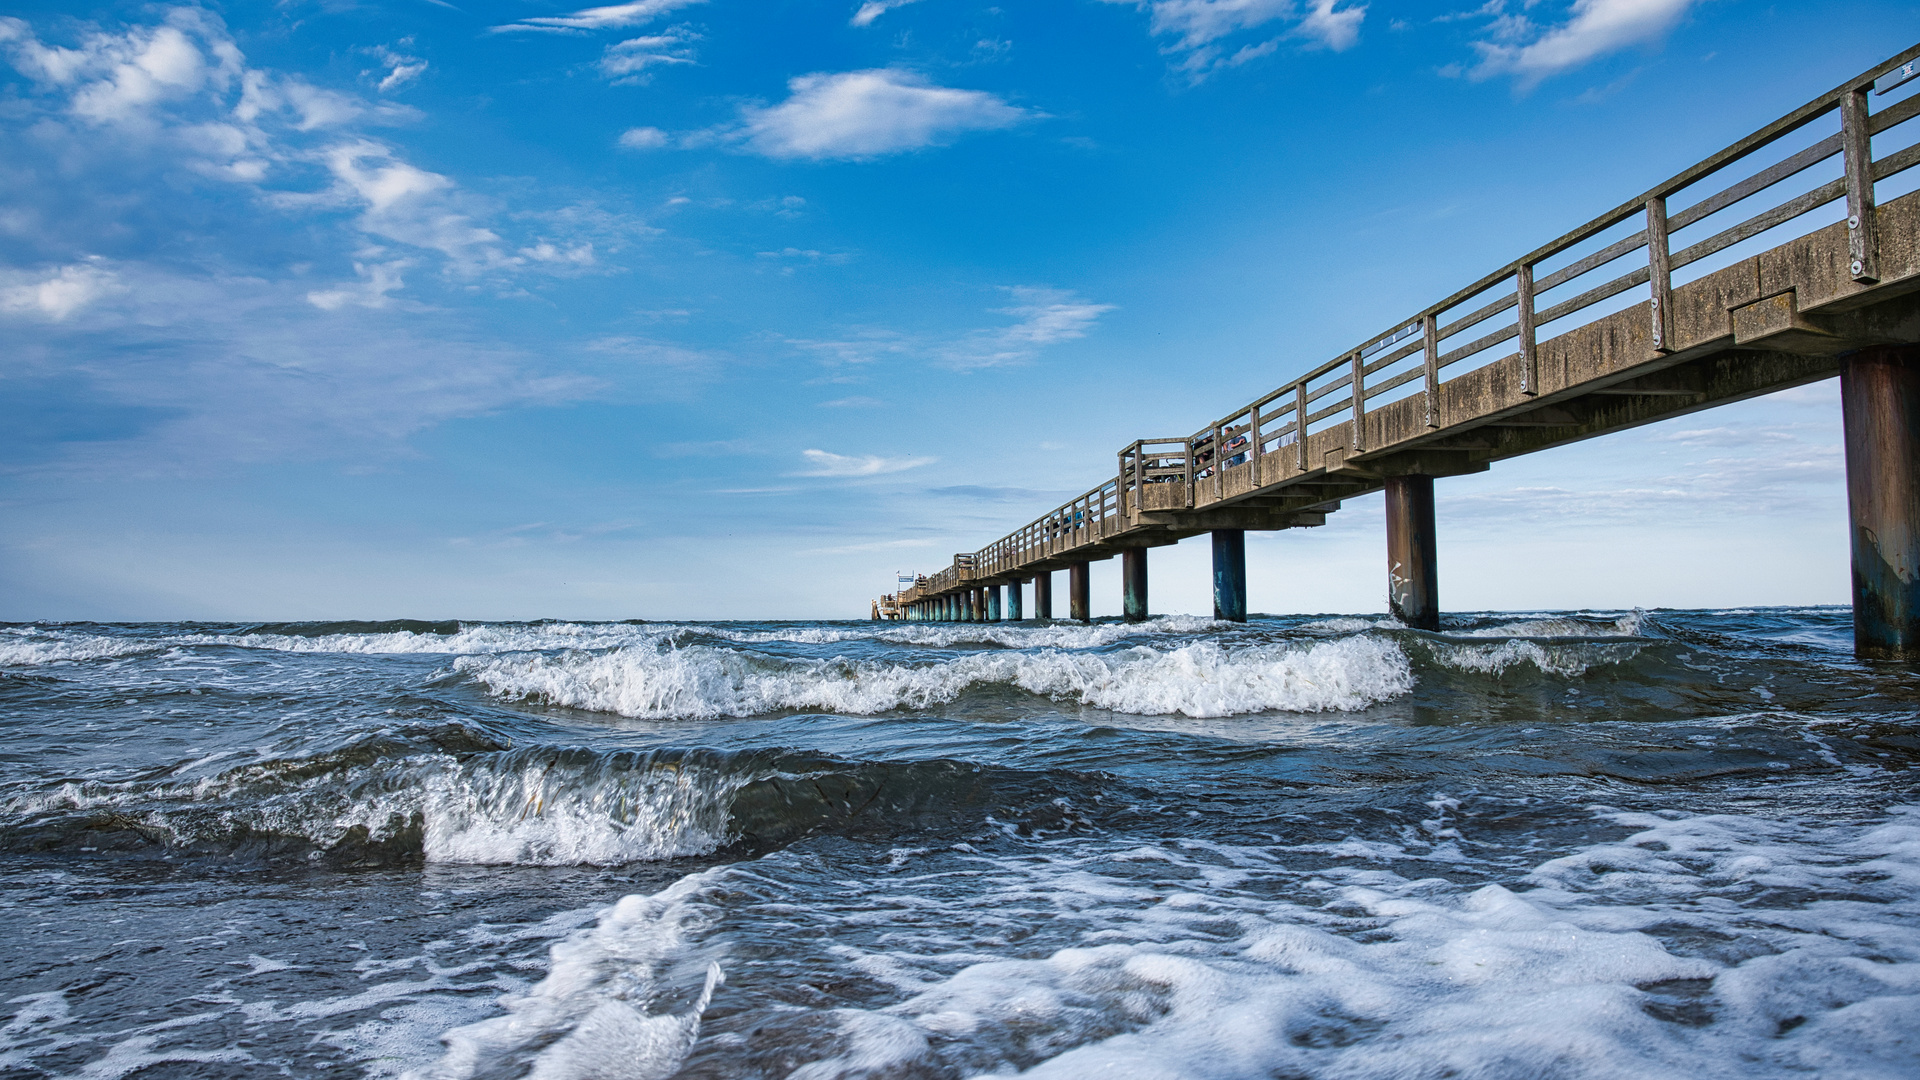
x: 1670, y: 302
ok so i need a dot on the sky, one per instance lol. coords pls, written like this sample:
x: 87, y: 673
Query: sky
x: 684, y: 309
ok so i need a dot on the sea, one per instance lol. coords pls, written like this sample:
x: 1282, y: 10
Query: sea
x: 1592, y: 844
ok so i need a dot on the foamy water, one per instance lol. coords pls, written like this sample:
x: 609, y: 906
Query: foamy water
x: 1588, y: 844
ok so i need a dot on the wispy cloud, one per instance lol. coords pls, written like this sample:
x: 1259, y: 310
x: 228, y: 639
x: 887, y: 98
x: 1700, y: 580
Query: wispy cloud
x: 855, y: 402
x: 1045, y: 317
x: 873, y: 9
x: 825, y: 463
x: 866, y: 114
x: 400, y: 68
x: 630, y: 62
x: 1516, y: 45
x: 1199, y: 29
x: 612, y: 17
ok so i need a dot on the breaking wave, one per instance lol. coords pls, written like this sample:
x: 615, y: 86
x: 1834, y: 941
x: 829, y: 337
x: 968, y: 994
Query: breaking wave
x: 1201, y: 679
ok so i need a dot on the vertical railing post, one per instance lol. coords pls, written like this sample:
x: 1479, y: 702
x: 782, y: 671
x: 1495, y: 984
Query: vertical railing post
x: 1430, y: 341
x: 1189, y: 467
x: 1253, y: 455
x: 1357, y: 383
x: 1300, y: 423
x: 1659, y: 273
x: 1219, y: 461
x: 1529, y: 363
x: 1863, y: 246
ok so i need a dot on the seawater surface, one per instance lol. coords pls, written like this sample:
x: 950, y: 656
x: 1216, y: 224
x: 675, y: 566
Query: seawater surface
x: 1588, y: 844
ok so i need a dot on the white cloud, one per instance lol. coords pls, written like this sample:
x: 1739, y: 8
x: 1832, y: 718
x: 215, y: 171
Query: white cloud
x: 379, y: 279
x: 121, y: 78
x: 1199, y: 28
x: 1593, y: 29
x: 643, y: 138
x: 861, y: 114
x: 829, y: 464
x: 598, y: 18
x: 1046, y: 317
x: 68, y: 290
x: 873, y: 9
x: 1337, y: 30
x: 411, y: 205
x: 401, y: 68
x: 626, y: 62
x: 856, y: 402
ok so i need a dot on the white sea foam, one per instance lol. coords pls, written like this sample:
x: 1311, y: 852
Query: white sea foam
x: 1628, y: 625
x: 470, y: 639
x: 1679, y: 952
x: 1565, y: 659
x: 606, y: 1010
x: 29, y: 647
x: 1199, y: 680
x: 549, y: 815
x: 1011, y: 635
x: 489, y: 809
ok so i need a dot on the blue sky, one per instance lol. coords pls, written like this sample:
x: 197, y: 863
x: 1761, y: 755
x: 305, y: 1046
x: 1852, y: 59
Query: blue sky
x: 701, y: 308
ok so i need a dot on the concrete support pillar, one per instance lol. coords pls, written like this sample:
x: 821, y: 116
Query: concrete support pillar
x: 1043, y: 595
x: 953, y: 607
x: 1133, y: 584
x: 1079, y: 592
x: 1013, y: 601
x: 1880, y: 408
x: 1230, y: 574
x: 993, y: 603
x: 1413, y: 579
x: 979, y: 612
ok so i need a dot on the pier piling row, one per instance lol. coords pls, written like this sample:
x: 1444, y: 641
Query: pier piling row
x: 1768, y: 265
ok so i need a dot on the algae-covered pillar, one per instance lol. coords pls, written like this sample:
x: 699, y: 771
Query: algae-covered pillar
x: 1880, y: 407
x: 1230, y: 574
x: 1079, y: 592
x: 1133, y: 573
x: 1413, y: 583
x: 993, y: 603
x: 1013, y: 600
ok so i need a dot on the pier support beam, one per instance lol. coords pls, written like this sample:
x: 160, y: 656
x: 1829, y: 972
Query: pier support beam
x: 1413, y: 583
x: 1880, y: 408
x: 1013, y: 601
x: 979, y: 613
x: 993, y: 603
x: 1230, y: 574
x: 1133, y: 580
x: 1043, y: 595
x: 1080, y: 592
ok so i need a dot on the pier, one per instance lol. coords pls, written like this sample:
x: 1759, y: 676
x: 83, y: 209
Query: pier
x: 1647, y: 312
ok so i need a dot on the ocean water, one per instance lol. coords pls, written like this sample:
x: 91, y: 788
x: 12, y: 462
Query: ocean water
x: 1578, y: 844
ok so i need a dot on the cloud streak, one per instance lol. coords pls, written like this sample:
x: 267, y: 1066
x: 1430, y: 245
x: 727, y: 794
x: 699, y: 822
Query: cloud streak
x: 612, y: 17
x: 825, y: 463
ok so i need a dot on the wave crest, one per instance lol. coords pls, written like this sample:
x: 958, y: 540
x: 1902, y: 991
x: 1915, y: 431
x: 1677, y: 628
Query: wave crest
x: 1199, y: 680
